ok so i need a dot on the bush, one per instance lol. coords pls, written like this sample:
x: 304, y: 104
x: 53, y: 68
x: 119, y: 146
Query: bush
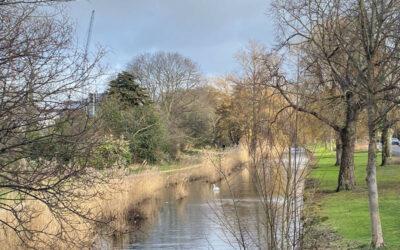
x: 148, y: 142
x: 70, y: 138
x: 111, y: 152
x: 140, y: 125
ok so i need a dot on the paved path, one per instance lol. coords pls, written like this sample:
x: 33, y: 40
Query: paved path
x: 396, y: 150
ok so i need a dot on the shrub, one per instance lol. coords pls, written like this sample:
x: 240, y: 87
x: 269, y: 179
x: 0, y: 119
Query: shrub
x: 140, y: 125
x: 148, y: 142
x: 111, y: 152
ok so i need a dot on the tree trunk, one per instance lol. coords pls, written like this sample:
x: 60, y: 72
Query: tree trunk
x: 346, y: 178
x: 386, y: 143
x: 376, y: 227
x: 338, y: 150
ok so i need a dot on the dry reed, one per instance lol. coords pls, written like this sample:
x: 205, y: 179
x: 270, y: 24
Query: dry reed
x: 121, y: 200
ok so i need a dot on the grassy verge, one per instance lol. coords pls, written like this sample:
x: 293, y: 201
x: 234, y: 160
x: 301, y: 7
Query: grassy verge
x: 347, y: 212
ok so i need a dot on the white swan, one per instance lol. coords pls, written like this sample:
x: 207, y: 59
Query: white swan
x: 215, y: 188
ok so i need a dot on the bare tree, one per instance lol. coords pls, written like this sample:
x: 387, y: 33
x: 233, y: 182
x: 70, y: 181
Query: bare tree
x: 365, y: 34
x: 167, y: 76
x: 389, y: 120
x: 277, y: 164
x: 45, y: 134
x: 377, y: 28
x: 278, y: 176
x: 329, y: 87
x: 251, y: 96
x: 25, y: 2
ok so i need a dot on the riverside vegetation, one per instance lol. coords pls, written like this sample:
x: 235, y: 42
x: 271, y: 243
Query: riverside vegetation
x: 75, y: 164
x: 125, y: 199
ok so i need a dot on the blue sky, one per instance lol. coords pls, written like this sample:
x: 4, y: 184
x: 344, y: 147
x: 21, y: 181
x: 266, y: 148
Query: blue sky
x: 209, y: 32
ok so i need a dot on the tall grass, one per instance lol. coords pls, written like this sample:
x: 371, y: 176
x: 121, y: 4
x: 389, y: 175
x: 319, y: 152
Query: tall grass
x: 122, y: 198
x: 212, y: 167
x: 119, y: 203
x: 115, y: 205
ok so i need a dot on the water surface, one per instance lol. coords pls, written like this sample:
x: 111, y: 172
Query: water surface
x: 205, y: 219
x: 200, y: 221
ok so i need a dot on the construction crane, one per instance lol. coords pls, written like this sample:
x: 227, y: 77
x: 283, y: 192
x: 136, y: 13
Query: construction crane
x: 91, y: 96
x: 89, y: 34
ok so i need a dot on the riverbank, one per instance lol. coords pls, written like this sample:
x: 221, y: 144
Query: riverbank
x: 341, y: 220
x: 131, y: 196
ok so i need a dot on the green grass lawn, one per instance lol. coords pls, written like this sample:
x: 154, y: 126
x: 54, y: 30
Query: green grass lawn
x: 347, y: 211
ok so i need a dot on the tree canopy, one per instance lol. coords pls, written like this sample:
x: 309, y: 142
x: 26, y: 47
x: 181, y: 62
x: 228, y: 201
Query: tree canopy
x: 126, y: 89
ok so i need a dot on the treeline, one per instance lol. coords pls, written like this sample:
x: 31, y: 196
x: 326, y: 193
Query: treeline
x: 161, y: 106
x: 51, y: 146
x: 347, y: 56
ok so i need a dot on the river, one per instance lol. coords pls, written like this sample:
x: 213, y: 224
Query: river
x: 205, y: 219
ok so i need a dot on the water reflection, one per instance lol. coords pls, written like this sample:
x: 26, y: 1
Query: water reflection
x: 195, y: 222
x: 205, y: 219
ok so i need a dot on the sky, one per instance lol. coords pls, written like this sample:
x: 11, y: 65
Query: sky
x: 209, y: 32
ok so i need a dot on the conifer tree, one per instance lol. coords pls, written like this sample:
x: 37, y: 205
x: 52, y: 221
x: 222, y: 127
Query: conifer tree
x: 125, y: 88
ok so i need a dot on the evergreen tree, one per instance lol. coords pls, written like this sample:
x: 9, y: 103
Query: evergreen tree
x: 125, y: 88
